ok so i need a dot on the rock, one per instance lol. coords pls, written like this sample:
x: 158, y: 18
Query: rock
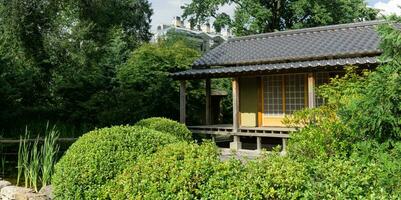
x: 48, y: 191
x: 31, y: 196
x: 4, y: 184
x: 12, y: 192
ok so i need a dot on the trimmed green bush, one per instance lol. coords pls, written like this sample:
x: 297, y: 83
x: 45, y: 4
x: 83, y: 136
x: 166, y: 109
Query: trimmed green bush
x: 167, y: 126
x: 344, y: 179
x: 177, y: 171
x: 99, y: 156
x: 273, y: 177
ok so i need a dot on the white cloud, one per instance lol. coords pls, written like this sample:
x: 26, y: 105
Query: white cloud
x: 390, y: 7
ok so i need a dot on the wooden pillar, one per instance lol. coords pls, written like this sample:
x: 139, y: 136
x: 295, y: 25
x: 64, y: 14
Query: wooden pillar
x: 235, y: 87
x: 259, y: 143
x: 183, y: 101
x: 208, y: 102
x: 284, y: 144
x: 311, y: 91
x: 236, y: 144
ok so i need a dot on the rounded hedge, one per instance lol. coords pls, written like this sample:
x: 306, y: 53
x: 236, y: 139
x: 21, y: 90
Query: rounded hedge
x: 167, y: 126
x: 99, y: 156
x: 177, y: 171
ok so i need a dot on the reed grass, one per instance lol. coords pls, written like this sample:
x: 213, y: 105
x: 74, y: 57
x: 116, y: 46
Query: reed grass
x: 36, y: 161
x: 49, y: 152
x: 3, y: 165
x: 20, y: 160
x: 25, y: 157
x: 34, y: 165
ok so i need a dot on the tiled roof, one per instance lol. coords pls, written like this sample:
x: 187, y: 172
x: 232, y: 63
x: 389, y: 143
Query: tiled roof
x: 320, y: 46
x: 252, y: 69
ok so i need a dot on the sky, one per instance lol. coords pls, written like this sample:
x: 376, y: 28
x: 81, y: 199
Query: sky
x: 165, y: 10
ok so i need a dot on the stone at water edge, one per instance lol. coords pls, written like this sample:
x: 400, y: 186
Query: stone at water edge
x: 4, y: 184
x: 48, y: 191
x: 31, y: 196
x: 12, y: 192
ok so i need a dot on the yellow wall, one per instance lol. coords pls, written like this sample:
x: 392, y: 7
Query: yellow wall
x: 248, y: 101
x: 273, y: 121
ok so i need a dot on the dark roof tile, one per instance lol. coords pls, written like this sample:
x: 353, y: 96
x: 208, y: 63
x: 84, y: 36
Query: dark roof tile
x: 336, y: 41
x: 222, y: 71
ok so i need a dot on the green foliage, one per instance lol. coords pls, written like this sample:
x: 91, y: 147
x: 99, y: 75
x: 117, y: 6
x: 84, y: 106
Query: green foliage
x: 259, y: 16
x: 146, y: 88
x: 271, y: 177
x: 99, y: 156
x: 344, y: 179
x: 36, y: 160
x: 58, y: 59
x: 49, y: 151
x: 318, y: 142
x: 190, y: 171
x: 167, y: 126
x: 175, y: 172
x: 377, y: 112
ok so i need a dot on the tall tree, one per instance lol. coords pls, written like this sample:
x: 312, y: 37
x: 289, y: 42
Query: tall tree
x: 261, y: 16
x: 58, y: 58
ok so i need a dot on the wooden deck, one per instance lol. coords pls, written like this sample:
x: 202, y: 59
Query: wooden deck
x: 227, y: 129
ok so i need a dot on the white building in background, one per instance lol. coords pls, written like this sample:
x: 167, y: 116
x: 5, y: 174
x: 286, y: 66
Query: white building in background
x: 207, y: 37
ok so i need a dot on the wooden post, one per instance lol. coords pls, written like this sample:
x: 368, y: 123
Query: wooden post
x: 284, y: 144
x: 183, y: 101
x: 235, y: 87
x: 259, y: 143
x: 208, y: 102
x: 236, y: 144
x: 311, y: 91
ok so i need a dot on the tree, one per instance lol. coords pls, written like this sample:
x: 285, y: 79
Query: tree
x: 59, y: 58
x: 261, y: 16
x: 146, y: 88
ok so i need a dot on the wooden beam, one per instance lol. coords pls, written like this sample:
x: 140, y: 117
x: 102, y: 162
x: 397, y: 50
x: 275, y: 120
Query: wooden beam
x: 208, y: 102
x: 235, y: 87
x: 311, y: 91
x: 183, y: 101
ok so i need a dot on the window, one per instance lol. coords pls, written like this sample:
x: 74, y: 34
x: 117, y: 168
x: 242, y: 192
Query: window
x: 295, y: 93
x: 284, y: 94
x: 273, y: 96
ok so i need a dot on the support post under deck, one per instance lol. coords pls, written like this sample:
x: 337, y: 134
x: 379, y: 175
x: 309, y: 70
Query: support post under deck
x: 259, y: 143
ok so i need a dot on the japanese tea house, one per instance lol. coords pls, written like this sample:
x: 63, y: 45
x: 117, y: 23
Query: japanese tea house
x: 275, y: 74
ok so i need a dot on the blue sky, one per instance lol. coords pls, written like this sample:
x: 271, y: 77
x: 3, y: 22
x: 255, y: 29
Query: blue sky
x: 165, y: 10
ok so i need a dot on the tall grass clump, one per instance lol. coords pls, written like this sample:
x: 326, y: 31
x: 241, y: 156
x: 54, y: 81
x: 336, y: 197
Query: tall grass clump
x: 34, y: 165
x: 49, y: 152
x: 36, y: 160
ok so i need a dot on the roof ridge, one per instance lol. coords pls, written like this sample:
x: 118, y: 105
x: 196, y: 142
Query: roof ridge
x: 308, y: 30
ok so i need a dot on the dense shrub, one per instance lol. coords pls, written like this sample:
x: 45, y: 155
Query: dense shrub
x: 318, y: 142
x: 190, y: 171
x: 167, y: 126
x: 99, y: 156
x: 343, y: 179
x: 272, y: 177
x: 175, y: 172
